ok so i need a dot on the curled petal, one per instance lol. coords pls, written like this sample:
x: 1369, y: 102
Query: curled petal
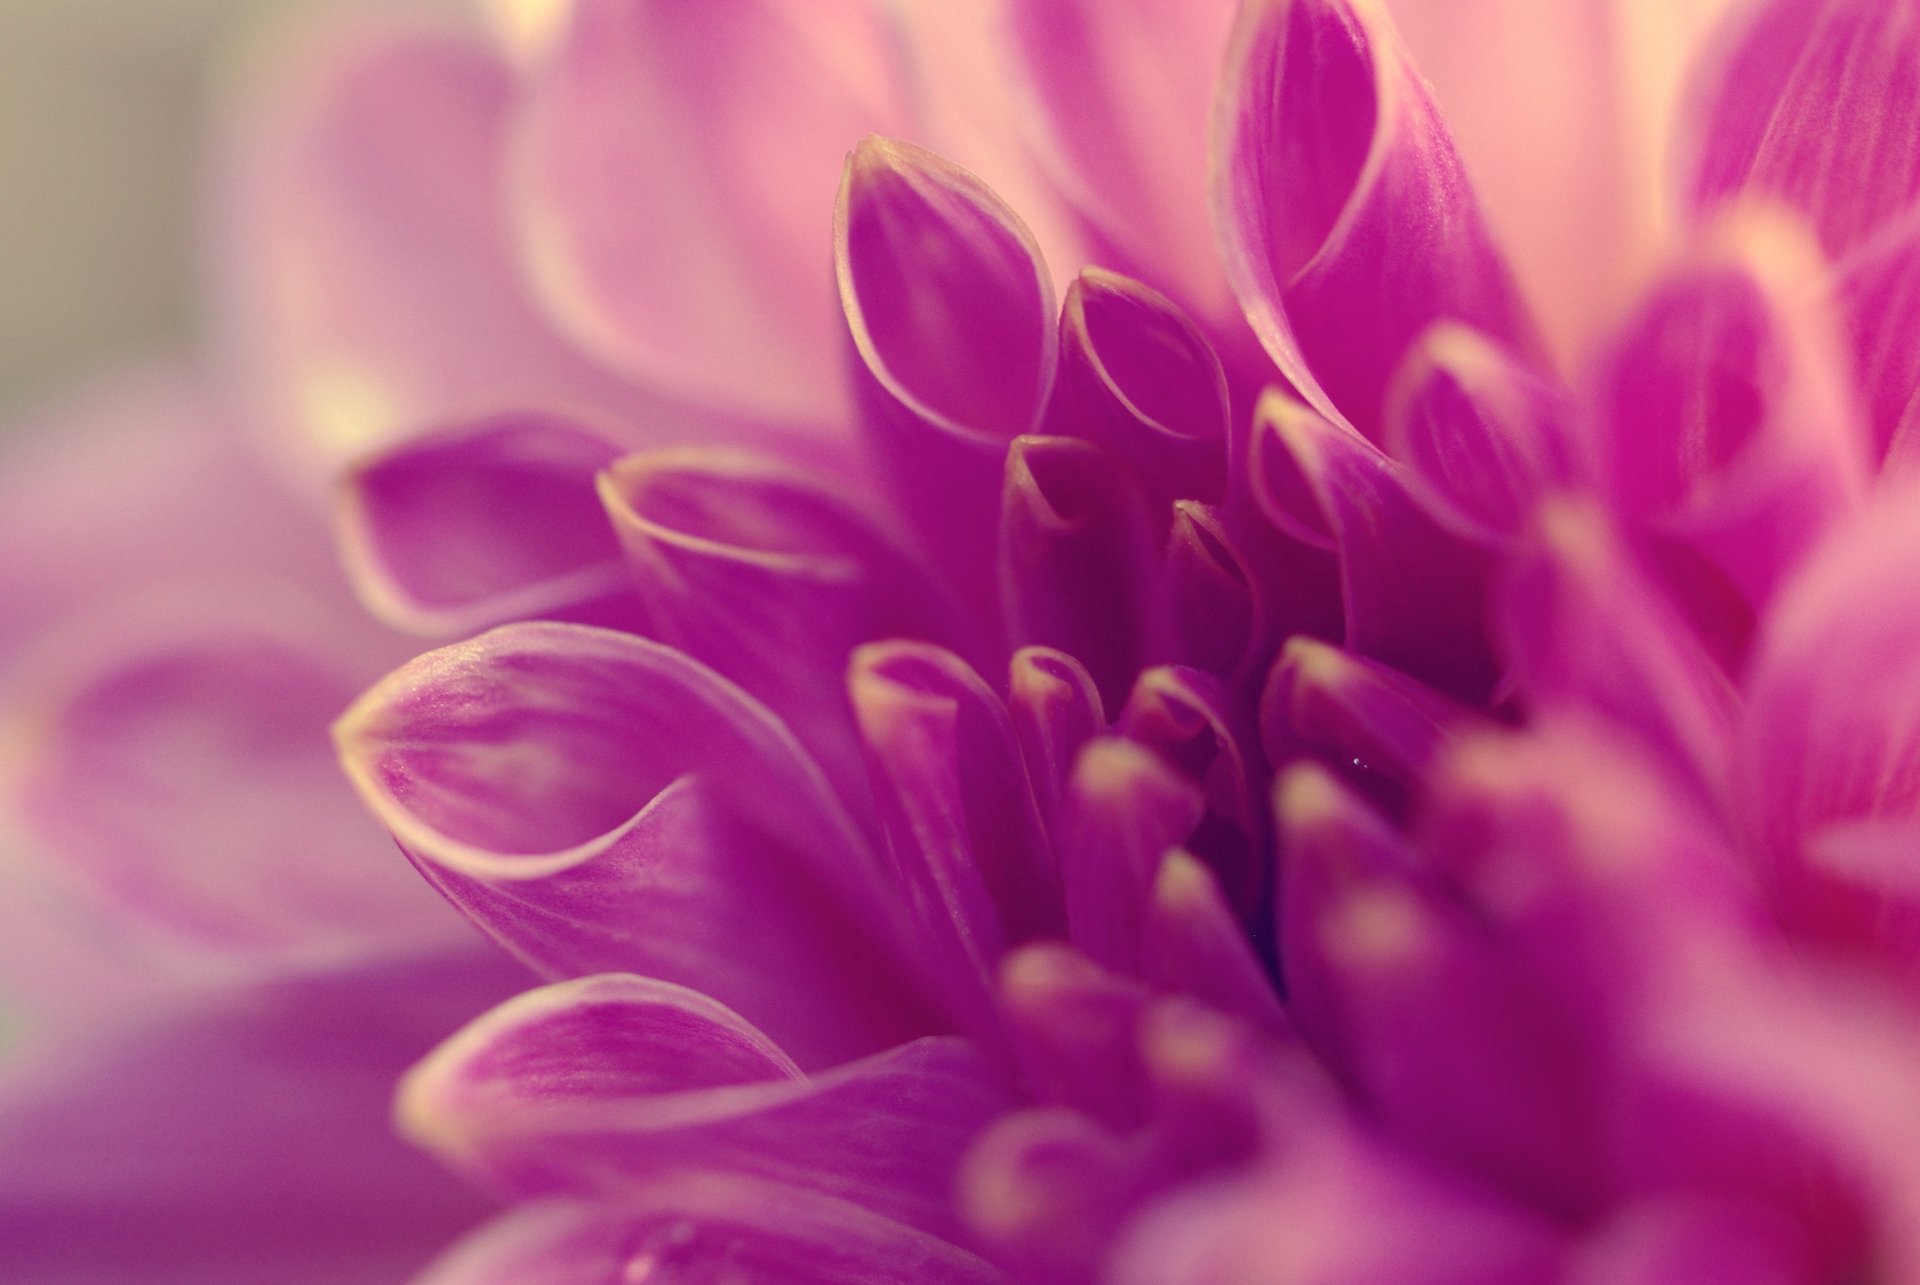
x: 1587, y: 628
x: 1830, y: 743
x: 1123, y: 91
x: 731, y: 549
x: 1482, y: 437
x: 673, y: 165
x: 1413, y: 595
x: 607, y: 1084
x: 1346, y: 218
x: 367, y: 286
x: 1138, y: 379
x: 1370, y: 723
x: 1075, y: 1027
x: 484, y: 523
x: 1726, y: 416
x: 1814, y: 105
x: 1125, y: 809
x: 951, y: 317
x: 597, y: 802
x: 704, y: 1227
x: 1196, y: 946
x: 1230, y: 590
x: 956, y: 803
x: 1056, y: 709
x: 1047, y: 1190
x: 1075, y: 557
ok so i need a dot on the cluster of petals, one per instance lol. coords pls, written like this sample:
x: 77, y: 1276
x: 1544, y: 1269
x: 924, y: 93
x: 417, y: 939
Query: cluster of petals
x: 1126, y: 679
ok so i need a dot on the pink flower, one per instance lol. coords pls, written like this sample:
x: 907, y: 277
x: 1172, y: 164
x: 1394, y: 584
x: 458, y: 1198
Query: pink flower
x: 1372, y: 740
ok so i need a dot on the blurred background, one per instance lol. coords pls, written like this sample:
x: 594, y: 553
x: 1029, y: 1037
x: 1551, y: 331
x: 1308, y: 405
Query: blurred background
x: 102, y: 112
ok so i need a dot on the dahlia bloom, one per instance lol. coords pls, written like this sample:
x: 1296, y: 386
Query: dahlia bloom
x: 1161, y: 687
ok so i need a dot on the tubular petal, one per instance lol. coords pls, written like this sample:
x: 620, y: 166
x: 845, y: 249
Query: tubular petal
x: 951, y: 318
x: 1056, y: 709
x: 1345, y: 216
x: 1196, y: 946
x: 598, y: 802
x: 672, y: 168
x: 483, y: 523
x: 1075, y: 1027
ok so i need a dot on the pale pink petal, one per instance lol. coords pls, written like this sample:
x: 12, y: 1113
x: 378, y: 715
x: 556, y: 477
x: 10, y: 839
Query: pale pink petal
x: 1878, y: 291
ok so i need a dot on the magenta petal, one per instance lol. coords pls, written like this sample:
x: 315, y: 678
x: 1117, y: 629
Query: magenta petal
x: 605, y: 1084
x: 1138, y: 379
x: 1413, y: 595
x: 1345, y: 216
x: 1075, y: 1028
x: 1056, y: 709
x: 1076, y: 558
x: 1825, y: 744
x: 1196, y: 946
x: 1587, y: 629
x: 961, y: 819
x: 1816, y: 106
x: 673, y: 169
x: 951, y: 317
x: 1125, y: 809
x: 598, y: 803
x: 730, y: 550
x: 1483, y: 438
x: 1123, y: 91
x: 1336, y: 1209
x: 484, y: 523
x: 179, y: 766
x: 1442, y: 1039
x: 1369, y: 722
x: 704, y: 1227
x: 1682, y: 1241
x: 367, y: 287
x: 1726, y: 417
x: 1879, y: 297
x: 1047, y: 1190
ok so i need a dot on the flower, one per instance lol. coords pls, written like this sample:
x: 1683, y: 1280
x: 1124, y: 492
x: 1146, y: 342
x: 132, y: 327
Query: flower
x: 1371, y: 742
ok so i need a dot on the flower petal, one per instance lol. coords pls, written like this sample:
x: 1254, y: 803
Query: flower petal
x: 1075, y: 1027
x: 1345, y: 216
x: 673, y: 167
x: 1413, y: 595
x: 951, y: 317
x: 1816, y: 105
x: 597, y: 802
x: 1056, y: 709
x: 483, y: 523
x: 703, y: 1227
x: 1879, y: 291
x: 1123, y: 91
x: 1196, y: 946
x: 1047, y: 1190
x: 1137, y: 378
x: 607, y: 1084
x: 1076, y: 552
x: 367, y: 288
x: 955, y: 801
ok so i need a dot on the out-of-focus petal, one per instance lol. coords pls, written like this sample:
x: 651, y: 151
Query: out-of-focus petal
x: 1725, y: 415
x: 1195, y: 945
x: 1830, y: 740
x: 1075, y: 1027
x: 170, y: 754
x: 1684, y: 1240
x: 673, y: 173
x: 965, y: 830
x: 366, y: 285
x: 239, y: 1136
x: 1816, y: 104
x: 1076, y: 557
x: 1412, y: 594
x: 1347, y: 221
x: 1482, y: 437
x: 1123, y: 92
x: 1138, y: 379
x: 1336, y: 1209
x: 762, y: 572
x: 951, y: 318
x: 1047, y: 1190
x: 1879, y: 298
x: 1586, y: 627
x: 606, y: 1084
x: 476, y: 525
x: 598, y: 802
x: 704, y: 1227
